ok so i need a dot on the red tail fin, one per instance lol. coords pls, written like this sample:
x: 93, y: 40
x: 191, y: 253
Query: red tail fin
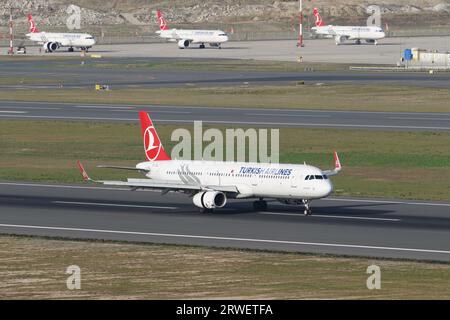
x: 154, y: 151
x: 33, y: 28
x: 162, y: 22
x: 319, y: 22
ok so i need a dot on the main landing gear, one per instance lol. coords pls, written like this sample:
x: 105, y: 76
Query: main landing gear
x: 260, y: 205
x: 202, y: 46
x: 307, y: 211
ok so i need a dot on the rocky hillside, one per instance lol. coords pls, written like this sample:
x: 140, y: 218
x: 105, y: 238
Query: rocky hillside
x: 96, y: 12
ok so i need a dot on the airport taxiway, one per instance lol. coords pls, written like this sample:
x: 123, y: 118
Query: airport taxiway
x: 344, y: 226
x: 388, y: 51
x: 228, y: 116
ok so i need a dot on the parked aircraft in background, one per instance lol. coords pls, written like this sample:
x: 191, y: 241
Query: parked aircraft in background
x: 185, y: 37
x: 52, y: 41
x: 370, y: 34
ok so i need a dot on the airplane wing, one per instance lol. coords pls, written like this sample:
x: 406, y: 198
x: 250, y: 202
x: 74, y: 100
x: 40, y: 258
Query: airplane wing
x: 337, y: 166
x: 135, y: 184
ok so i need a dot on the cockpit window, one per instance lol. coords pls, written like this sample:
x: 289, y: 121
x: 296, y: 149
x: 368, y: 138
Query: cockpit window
x: 307, y: 177
x: 318, y: 177
x: 223, y: 34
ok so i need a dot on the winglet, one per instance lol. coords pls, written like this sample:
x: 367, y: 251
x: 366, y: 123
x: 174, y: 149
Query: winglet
x: 83, y: 171
x: 337, y: 162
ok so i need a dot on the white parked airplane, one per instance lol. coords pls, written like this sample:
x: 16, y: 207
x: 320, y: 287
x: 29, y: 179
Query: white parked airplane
x: 210, y: 183
x: 53, y: 40
x: 371, y: 34
x: 185, y: 38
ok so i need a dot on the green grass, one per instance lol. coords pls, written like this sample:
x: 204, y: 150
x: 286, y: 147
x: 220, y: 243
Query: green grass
x: 309, y: 96
x: 412, y: 165
x: 112, y: 270
x: 216, y: 65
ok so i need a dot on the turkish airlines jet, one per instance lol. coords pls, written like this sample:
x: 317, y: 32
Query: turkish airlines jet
x: 211, y: 183
x: 371, y: 34
x: 53, y: 41
x: 185, y: 38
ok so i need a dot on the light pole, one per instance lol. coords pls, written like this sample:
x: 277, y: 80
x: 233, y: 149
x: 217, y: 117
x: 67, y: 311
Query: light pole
x: 300, y: 27
x: 11, y: 39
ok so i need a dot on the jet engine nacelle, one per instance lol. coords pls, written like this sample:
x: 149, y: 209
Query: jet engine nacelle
x: 210, y: 199
x: 50, y: 46
x: 182, y: 44
x: 339, y: 39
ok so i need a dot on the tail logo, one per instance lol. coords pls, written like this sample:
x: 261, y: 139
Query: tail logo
x: 33, y: 28
x: 319, y: 22
x: 152, y: 145
x: 162, y: 22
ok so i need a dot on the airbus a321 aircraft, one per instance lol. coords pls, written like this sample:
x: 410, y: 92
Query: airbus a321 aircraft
x: 185, y: 38
x: 211, y: 183
x: 371, y: 34
x: 52, y: 41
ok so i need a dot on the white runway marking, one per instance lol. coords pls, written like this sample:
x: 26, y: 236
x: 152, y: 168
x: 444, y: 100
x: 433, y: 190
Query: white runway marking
x: 420, y: 119
x: 112, y: 205
x: 286, y: 115
x: 438, y: 204
x: 103, y: 107
x: 337, y: 125
x: 189, y: 236
x: 8, y: 111
x: 390, y: 202
x: 328, y: 216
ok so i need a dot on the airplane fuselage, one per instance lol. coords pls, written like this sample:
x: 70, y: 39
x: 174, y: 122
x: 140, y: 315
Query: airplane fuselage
x: 77, y: 40
x: 342, y: 33
x: 185, y: 37
x: 253, y: 180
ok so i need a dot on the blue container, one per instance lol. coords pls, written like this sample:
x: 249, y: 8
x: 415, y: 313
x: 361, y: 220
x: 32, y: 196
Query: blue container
x: 408, y: 54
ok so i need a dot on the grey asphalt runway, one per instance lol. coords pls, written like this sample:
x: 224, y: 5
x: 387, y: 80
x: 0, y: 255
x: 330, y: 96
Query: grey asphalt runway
x: 362, y: 227
x: 237, y: 116
x: 74, y: 75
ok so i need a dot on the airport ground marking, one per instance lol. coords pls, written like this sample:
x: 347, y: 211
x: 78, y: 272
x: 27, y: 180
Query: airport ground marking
x: 287, y: 124
x: 100, y: 204
x: 201, y: 237
x: 329, y: 216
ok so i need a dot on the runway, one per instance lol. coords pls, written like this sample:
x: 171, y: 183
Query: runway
x: 362, y: 227
x: 228, y: 116
x: 51, y: 73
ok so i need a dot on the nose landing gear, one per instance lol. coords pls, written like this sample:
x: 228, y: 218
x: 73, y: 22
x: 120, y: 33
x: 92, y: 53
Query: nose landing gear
x: 307, y: 211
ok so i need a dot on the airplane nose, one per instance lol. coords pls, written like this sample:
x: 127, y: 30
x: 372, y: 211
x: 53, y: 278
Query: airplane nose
x: 326, y: 188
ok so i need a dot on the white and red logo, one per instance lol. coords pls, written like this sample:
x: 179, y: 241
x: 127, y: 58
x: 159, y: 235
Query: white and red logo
x: 162, y: 22
x: 153, y: 148
x: 319, y: 22
x: 152, y: 145
x: 33, y: 28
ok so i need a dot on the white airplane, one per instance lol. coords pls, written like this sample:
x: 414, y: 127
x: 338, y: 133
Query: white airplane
x: 371, y: 34
x: 185, y: 38
x: 210, y: 183
x: 53, y: 41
